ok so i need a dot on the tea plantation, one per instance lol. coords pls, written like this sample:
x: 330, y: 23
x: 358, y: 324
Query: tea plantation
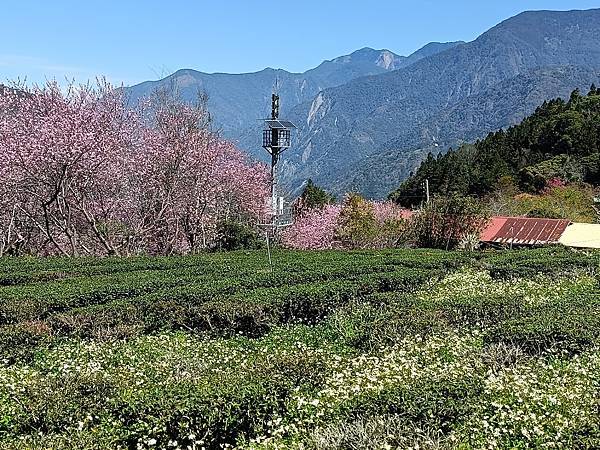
x: 367, y: 349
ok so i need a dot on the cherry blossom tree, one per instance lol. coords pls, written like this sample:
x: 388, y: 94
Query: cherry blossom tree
x: 357, y: 223
x: 84, y: 174
x: 62, y: 152
x: 194, y: 179
x: 313, y: 230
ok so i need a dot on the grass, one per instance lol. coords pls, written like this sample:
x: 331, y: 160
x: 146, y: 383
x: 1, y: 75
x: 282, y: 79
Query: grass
x: 370, y: 349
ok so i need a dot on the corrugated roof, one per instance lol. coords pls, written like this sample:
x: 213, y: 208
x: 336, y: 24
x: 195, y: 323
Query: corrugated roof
x: 492, y: 228
x: 582, y: 235
x: 524, y: 230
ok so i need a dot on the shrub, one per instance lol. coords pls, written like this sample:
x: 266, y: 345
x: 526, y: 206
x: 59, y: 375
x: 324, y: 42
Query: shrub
x: 574, y: 202
x: 233, y: 235
x: 445, y: 221
x: 356, y: 224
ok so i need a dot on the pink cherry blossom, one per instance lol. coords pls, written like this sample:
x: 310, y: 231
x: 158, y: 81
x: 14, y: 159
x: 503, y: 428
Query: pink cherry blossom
x: 315, y: 229
x: 83, y: 174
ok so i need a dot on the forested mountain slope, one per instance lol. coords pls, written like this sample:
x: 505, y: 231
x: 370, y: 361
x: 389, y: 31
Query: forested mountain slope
x: 392, y: 120
x: 561, y: 139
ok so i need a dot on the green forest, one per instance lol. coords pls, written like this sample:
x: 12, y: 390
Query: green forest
x: 559, y: 142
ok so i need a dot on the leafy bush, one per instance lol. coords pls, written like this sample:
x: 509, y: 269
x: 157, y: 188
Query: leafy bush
x: 574, y: 202
x: 356, y: 224
x: 233, y: 235
x: 445, y: 222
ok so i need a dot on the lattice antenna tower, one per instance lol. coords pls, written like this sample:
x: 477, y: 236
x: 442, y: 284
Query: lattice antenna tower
x: 276, y: 139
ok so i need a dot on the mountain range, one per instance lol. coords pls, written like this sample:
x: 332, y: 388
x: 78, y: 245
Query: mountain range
x: 238, y: 101
x: 366, y: 120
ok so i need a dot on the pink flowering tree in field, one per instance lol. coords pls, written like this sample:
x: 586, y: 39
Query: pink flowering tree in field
x: 313, y: 230
x: 357, y: 223
x: 83, y: 174
x: 193, y: 179
x: 62, y: 153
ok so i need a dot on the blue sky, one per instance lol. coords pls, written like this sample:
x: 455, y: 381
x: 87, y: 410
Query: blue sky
x: 134, y: 41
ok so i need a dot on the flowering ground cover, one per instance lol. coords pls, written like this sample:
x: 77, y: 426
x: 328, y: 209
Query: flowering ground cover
x: 371, y: 349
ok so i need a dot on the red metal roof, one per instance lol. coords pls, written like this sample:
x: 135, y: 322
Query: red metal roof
x: 524, y: 230
x: 492, y: 228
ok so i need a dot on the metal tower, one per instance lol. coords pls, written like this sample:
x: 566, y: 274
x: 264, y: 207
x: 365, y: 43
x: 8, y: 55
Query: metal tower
x: 276, y: 139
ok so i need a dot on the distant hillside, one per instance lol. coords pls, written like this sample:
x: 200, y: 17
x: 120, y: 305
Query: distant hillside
x: 500, y: 106
x: 560, y: 140
x: 238, y: 100
x: 371, y: 132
